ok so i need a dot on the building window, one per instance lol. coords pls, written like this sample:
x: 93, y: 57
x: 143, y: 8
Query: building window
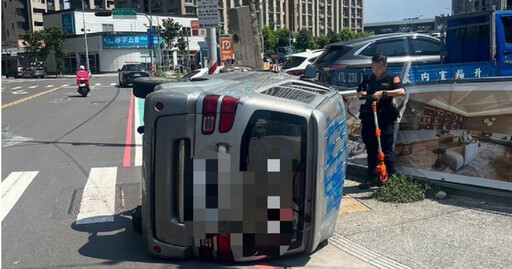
x: 5, y: 4
x: 38, y: 23
x: 7, y: 32
x: 190, y: 11
x: 107, y: 27
x: 13, y: 26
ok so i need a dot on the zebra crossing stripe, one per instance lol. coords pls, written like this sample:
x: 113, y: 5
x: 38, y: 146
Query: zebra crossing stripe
x: 97, y: 84
x: 33, y: 87
x: 49, y: 86
x: 12, y: 189
x: 112, y: 84
x: 15, y: 88
x: 65, y: 85
x: 98, y: 199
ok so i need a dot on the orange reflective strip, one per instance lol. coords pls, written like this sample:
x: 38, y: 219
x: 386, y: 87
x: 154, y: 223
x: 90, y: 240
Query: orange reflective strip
x: 377, y: 132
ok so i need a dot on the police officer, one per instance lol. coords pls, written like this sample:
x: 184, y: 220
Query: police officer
x: 382, y: 87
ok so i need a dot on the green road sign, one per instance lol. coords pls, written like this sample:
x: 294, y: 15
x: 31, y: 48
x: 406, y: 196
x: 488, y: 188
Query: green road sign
x: 127, y: 13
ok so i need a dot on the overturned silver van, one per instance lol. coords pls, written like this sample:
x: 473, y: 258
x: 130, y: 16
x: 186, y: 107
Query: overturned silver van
x: 242, y: 166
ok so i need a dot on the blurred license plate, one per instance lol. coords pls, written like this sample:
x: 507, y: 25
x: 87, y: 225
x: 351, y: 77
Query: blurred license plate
x: 136, y: 74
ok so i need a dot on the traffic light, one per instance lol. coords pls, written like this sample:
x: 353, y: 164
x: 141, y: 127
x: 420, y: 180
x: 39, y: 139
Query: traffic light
x: 105, y: 13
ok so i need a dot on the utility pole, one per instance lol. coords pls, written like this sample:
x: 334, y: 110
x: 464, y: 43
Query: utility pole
x: 152, y: 39
x: 85, y: 38
x: 261, y: 29
x: 256, y: 36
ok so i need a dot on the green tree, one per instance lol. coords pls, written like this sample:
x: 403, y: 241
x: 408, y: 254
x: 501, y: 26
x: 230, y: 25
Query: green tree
x: 170, y: 31
x: 333, y: 37
x: 181, y: 44
x: 364, y: 34
x: 35, y: 45
x: 322, y: 41
x: 284, y: 37
x: 54, y: 42
x: 347, y: 34
x: 304, y: 40
x: 270, y: 39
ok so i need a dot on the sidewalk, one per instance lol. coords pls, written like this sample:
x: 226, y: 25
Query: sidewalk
x: 456, y: 232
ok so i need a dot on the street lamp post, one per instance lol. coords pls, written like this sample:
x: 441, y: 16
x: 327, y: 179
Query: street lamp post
x: 85, y: 39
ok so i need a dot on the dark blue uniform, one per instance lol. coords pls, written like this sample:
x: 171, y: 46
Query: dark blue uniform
x: 386, y: 115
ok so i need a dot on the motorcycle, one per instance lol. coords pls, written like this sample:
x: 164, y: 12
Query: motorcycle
x: 83, y: 89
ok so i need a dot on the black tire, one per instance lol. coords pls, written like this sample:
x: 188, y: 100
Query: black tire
x: 144, y: 86
x: 137, y: 219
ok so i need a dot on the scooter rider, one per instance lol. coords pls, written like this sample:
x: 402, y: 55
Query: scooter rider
x: 382, y: 86
x: 82, y: 76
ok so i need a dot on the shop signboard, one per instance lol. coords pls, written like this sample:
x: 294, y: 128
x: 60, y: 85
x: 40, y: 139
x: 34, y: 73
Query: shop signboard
x: 127, y: 41
x: 68, y: 23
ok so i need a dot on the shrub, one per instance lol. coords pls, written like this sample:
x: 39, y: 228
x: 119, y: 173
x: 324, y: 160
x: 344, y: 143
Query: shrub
x: 161, y: 74
x: 401, y: 189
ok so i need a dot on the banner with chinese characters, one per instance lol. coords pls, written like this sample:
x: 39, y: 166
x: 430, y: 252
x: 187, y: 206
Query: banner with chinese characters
x: 420, y: 74
x: 129, y: 41
x: 458, y: 132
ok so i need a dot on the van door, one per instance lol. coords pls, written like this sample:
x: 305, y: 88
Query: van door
x: 504, y: 43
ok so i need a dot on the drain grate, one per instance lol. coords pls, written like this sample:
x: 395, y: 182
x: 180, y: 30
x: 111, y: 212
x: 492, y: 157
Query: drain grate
x: 76, y: 200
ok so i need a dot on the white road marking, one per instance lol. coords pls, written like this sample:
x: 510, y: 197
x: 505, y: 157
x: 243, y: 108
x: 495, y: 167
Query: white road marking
x: 97, y: 84
x: 138, y: 137
x: 12, y: 189
x: 113, y: 84
x: 15, y: 88
x: 65, y: 85
x: 33, y: 87
x: 19, y: 92
x: 49, y: 86
x: 98, y: 199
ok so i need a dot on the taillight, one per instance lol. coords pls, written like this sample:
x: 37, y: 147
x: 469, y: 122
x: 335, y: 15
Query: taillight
x: 209, y: 113
x: 227, y: 113
x: 296, y: 72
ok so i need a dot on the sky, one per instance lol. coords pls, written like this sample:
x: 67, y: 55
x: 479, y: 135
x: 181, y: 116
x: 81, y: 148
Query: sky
x: 396, y: 10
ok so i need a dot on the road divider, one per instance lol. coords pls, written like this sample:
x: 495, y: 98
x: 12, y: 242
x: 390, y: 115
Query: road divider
x: 30, y: 97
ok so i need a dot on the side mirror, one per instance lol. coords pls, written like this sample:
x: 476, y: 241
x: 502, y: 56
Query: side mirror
x: 310, y: 72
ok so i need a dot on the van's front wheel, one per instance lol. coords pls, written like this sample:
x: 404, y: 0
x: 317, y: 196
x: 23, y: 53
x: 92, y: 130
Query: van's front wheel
x: 137, y: 219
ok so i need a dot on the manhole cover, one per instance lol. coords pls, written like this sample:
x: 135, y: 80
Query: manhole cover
x: 76, y: 200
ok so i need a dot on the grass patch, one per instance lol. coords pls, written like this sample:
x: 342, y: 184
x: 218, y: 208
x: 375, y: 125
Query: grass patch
x: 401, y: 189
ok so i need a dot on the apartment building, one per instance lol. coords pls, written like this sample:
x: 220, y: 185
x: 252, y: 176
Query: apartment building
x: 319, y: 16
x: 19, y: 16
x: 468, y: 6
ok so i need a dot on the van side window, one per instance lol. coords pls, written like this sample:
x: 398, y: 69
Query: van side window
x: 392, y: 48
x: 425, y: 47
x: 507, y: 28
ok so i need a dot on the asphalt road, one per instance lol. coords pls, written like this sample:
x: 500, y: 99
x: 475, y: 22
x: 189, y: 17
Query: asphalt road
x: 54, y: 142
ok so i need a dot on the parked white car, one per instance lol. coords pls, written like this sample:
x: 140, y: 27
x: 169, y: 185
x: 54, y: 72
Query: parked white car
x: 296, y: 63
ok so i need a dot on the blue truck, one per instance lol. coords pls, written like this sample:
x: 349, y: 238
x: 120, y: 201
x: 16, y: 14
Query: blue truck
x: 475, y: 45
x: 454, y: 124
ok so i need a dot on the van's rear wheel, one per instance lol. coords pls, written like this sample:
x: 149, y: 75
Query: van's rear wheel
x: 137, y: 219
